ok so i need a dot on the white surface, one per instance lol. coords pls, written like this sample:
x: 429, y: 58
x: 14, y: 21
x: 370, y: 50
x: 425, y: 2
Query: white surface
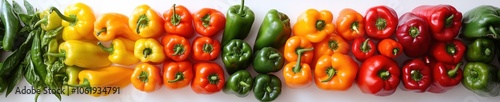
x: 293, y: 8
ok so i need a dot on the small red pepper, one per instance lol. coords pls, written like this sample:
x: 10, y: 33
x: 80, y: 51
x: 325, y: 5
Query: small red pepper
x: 390, y: 48
x: 444, y: 20
x: 363, y: 48
x: 380, y: 22
x: 178, y: 21
x: 413, y: 33
x: 417, y: 76
x: 209, y: 22
x: 378, y: 75
x: 445, y: 77
x: 450, y: 52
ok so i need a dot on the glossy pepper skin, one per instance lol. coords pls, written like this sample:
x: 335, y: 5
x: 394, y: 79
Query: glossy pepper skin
x: 481, y: 50
x: 268, y: 60
x: 416, y: 75
x: 178, y: 21
x: 239, y: 20
x: 112, y: 76
x: 12, y: 26
x: 363, y: 48
x: 146, y: 22
x: 335, y: 72
x: 121, y: 51
x: 330, y: 45
x: 445, y: 76
x: 177, y: 74
x: 449, y: 52
x: 274, y: 30
x: 350, y: 24
x: 314, y: 25
x: 49, y: 20
x: 205, y: 49
x: 380, y: 22
x: 149, y: 50
x: 481, y: 21
x: 296, y: 73
x: 146, y: 77
x: 239, y: 83
x: 82, y: 54
x: 267, y: 87
x: 444, y: 20
x: 295, y: 43
x: 208, y: 22
x: 390, y: 48
x: 414, y: 35
x: 378, y: 75
x: 236, y: 55
x: 78, y: 22
x: 72, y: 75
x: 176, y: 47
x: 208, y: 78
x: 111, y: 25
x: 481, y: 78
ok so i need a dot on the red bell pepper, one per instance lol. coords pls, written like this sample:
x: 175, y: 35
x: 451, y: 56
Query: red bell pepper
x: 417, y: 76
x: 444, y: 20
x: 363, y: 48
x: 380, y: 22
x: 379, y: 75
x: 413, y: 33
x: 445, y: 77
x: 450, y: 52
x: 178, y: 21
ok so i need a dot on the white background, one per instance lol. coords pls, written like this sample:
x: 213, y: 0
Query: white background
x: 293, y: 8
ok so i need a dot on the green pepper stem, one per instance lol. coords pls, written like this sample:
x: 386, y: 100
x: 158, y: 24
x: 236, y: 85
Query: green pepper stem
x: 395, y: 51
x: 107, y: 49
x: 142, y: 22
x: 244, y: 84
x: 333, y: 44
x: 101, y: 31
x: 384, y: 74
x: 320, y: 25
x: 213, y: 79
x: 299, y: 52
x: 274, y: 55
x: 63, y: 17
x: 85, y: 83
x: 208, y: 48
x: 452, y: 73
x: 487, y: 52
x: 178, y: 50
x: 449, y: 21
x: 365, y: 46
x: 175, y: 17
x: 241, y: 11
x: 381, y: 23
x: 268, y: 89
x: 414, y: 32
x: 143, y: 77
x: 492, y: 30
x: 146, y: 52
x: 178, y: 77
x: 451, y: 49
x: 43, y: 20
x: 354, y: 26
x: 416, y: 75
x: 206, y: 20
x: 330, y: 71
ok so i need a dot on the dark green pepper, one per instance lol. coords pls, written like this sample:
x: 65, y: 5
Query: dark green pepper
x: 482, y: 21
x: 481, y: 79
x: 268, y: 60
x: 267, y: 87
x: 481, y: 50
x: 239, y: 20
x: 11, y: 24
x: 274, y: 30
x: 239, y: 83
x: 236, y: 55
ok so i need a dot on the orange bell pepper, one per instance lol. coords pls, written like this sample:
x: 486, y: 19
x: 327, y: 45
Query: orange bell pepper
x: 390, y: 48
x: 146, y: 77
x: 177, y: 74
x: 209, y: 22
x: 332, y: 44
x: 146, y: 22
x: 296, y: 43
x: 205, y: 49
x: 350, y: 24
x: 111, y: 25
x: 314, y: 25
x: 335, y: 72
x: 176, y: 47
x: 178, y: 21
x: 297, y: 75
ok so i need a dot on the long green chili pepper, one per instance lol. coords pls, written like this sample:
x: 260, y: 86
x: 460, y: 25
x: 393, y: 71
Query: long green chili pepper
x: 11, y: 24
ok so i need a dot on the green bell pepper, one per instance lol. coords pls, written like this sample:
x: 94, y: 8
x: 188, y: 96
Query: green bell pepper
x: 482, y: 21
x: 481, y: 79
x: 274, y: 30
x: 267, y: 87
x: 239, y: 83
x: 268, y: 60
x: 72, y: 79
x: 236, y: 55
x: 481, y: 50
x: 239, y: 20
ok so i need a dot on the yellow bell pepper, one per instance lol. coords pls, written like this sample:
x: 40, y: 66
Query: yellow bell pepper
x: 146, y: 22
x: 149, y: 50
x: 121, y: 51
x: 82, y: 54
x: 113, y: 76
x: 111, y: 25
x: 314, y: 25
x: 78, y: 22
